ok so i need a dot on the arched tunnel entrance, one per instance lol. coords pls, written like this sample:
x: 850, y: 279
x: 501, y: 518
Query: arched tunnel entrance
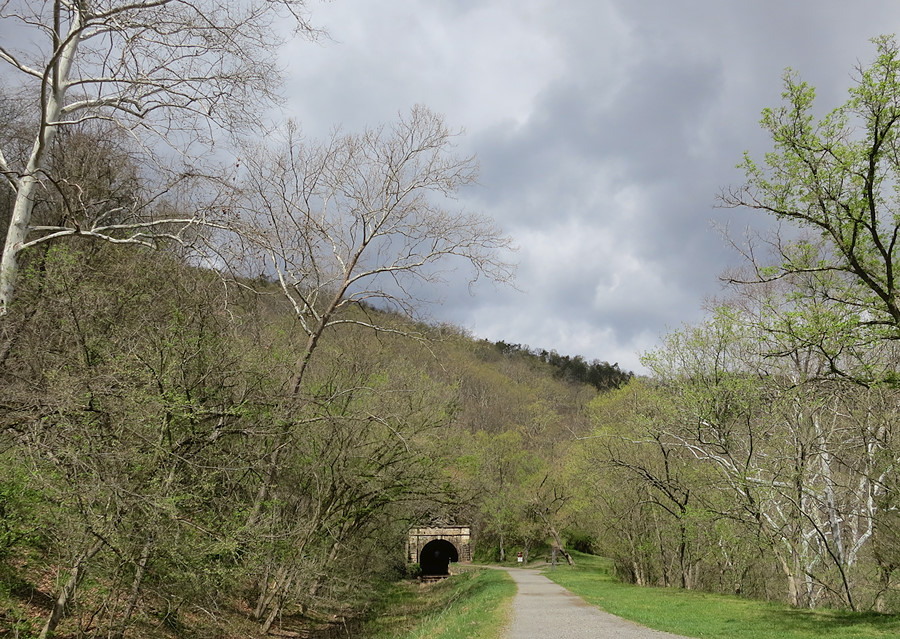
x: 434, y: 547
x: 436, y: 556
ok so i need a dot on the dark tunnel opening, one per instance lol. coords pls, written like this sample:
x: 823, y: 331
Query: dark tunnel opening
x: 436, y: 556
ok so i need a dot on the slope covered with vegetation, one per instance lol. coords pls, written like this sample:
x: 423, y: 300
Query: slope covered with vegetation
x: 142, y: 402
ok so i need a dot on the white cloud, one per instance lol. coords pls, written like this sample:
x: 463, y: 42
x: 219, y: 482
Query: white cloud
x: 479, y: 63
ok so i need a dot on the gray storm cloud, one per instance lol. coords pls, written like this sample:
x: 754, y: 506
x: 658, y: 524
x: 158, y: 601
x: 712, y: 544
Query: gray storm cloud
x: 604, y: 130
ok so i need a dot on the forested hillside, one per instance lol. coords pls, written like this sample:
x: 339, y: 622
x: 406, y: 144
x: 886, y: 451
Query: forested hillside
x: 157, y: 473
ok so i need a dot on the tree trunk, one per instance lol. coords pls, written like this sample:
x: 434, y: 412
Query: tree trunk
x: 68, y: 590
x: 267, y: 594
x: 556, y: 538
x: 135, y: 592
x: 317, y: 582
x: 16, y: 236
x: 683, y: 560
x: 276, y: 607
x: 639, y: 578
x: 793, y: 585
x: 17, y: 233
x: 561, y: 546
x: 884, y: 583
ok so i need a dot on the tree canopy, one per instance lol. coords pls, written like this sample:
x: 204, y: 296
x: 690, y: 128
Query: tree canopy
x: 835, y: 179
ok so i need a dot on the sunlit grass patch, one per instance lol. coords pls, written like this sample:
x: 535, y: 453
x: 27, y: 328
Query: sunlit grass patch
x: 696, y: 614
x: 474, y: 604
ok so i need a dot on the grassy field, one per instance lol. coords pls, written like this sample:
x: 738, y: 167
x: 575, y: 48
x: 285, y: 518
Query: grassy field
x: 696, y: 614
x: 475, y: 604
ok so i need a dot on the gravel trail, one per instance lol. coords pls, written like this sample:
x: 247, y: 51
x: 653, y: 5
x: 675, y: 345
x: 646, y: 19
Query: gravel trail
x: 545, y: 610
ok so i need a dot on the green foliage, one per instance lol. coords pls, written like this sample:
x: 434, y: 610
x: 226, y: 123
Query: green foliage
x: 601, y: 375
x: 835, y: 179
x: 743, y: 468
x: 582, y: 541
x: 19, y: 510
x: 413, y: 571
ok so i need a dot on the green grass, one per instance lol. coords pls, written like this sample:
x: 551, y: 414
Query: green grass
x: 695, y: 614
x: 475, y: 604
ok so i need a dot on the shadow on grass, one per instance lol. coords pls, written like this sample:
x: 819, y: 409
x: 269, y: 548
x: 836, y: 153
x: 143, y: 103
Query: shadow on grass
x: 828, y: 623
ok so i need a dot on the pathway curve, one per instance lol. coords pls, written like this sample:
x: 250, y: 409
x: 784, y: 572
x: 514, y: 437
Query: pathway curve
x: 543, y: 609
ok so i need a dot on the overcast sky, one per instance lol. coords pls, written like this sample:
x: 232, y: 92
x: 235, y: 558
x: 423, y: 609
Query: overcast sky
x: 604, y: 130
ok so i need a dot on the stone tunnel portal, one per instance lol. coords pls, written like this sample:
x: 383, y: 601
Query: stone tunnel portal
x: 434, y: 547
x: 436, y: 556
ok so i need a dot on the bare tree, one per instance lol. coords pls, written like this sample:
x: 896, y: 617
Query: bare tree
x: 358, y: 218
x: 363, y: 218
x: 163, y: 70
